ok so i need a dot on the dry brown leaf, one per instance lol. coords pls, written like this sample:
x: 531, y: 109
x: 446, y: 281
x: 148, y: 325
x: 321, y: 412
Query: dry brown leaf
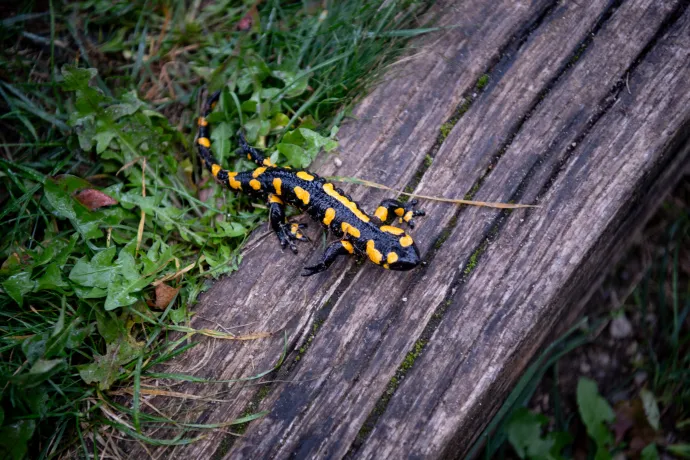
x: 247, y: 22
x: 94, y: 199
x: 625, y: 419
x: 164, y: 295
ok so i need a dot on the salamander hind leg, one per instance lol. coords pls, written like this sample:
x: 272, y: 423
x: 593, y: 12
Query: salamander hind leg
x: 406, y: 212
x: 335, y: 249
x: 286, y: 232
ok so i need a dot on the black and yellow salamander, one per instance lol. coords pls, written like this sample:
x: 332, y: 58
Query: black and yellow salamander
x: 385, y: 245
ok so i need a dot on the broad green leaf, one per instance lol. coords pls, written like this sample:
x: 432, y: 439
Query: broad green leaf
x: 129, y: 106
x: 294, y: 85
x: 58, y: 193
x: 122, y: 293
x: 40, y: 371
x: 222, y: 136
x: 90, y: 293
x: 39, y: 401
x: 314, y: 139
x: 524, y: 432
x: 58, y: 339
x: 47, y: 251
x: 61, y: 202
x: 227, y: 229
x: 61, y: 258
x: 108, y: 325
x: 146, y: 203
x: 51, y: 279
x: 11, y: 265
x: 649, y: 453
x: 14, y: 439
x: 596, y: 413
x: 255, y: 128
x: 87, y: 222
x: 296, y: 156
x: 35, y: 347
x: 106, y: 369
x: 18, y: 285
x: 78, y: 335
x: 70, y: 183
x: 279, y: 121
x: 126, y: 282
x: 95, y: 273
x: 250, y: 106
x: 77, y: 79
x: 103, y: 140
x: 178, y: 315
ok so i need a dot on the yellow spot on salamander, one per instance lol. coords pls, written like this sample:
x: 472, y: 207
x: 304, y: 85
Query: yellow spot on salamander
x: 391, y: 229
x: 234, y: 183
x: 249, y: 156
x: 304, y: 175
x: 268, y: 162
x: 202, y: 121
x: 329, y: 216
x: 391, y: 257
x: 294, y: 229
x: 381, y: 213
x: 302, y: 195
x: 274, y: 199
x: 330, y: 191
x: 348, y: 246
x: 399, y: 211
x: 373, y: 253
x: 406, y: 241
x: 408, y: 216
x: 276, y: 185
x: 255, y: 184
x: 350, y: 230
x: 204, y: 141
x: 215, y: 169
x: 258, y: 171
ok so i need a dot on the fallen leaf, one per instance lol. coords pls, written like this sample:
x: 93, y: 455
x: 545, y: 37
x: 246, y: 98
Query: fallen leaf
x: 249, y: 19
x: 650, y: 408
x: 245, y: 23
x: 625, y: 419
x: 164, y: 295
x: 94, y: 199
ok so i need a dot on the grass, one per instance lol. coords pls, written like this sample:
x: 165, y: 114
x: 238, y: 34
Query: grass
x: 649, y: 419
x: 110, y: 229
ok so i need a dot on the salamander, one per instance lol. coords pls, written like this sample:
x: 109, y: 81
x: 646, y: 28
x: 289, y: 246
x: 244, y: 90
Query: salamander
x: 360, y: 234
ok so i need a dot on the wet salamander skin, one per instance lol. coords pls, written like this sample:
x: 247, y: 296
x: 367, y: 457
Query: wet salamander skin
x: 361, y: 234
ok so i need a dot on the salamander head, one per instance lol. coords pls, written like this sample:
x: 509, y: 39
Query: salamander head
x: 395, y: 250
x: 408, y: 258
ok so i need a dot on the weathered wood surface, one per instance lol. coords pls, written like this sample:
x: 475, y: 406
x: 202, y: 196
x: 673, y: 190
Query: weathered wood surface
x: 587, y: 113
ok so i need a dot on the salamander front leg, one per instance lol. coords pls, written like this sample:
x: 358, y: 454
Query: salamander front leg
x: 286, y: 232
x: 335, y: 249
x: 405, y: 211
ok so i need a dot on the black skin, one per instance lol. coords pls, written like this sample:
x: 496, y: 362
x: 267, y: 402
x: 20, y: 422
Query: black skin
x: 359, y: 233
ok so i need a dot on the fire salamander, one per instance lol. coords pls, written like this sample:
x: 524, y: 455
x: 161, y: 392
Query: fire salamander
x: 385, y: 245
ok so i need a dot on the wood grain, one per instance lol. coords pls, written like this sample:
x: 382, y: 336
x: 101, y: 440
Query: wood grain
x: 593, y: 133
x: 540, y: 264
